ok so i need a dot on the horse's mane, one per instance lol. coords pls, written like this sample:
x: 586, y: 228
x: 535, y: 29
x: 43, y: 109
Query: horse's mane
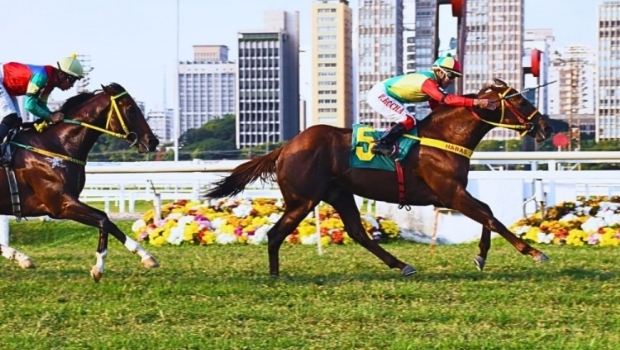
x: 76, y: 101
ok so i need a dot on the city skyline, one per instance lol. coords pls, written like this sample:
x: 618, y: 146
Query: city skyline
x: 140, y: 56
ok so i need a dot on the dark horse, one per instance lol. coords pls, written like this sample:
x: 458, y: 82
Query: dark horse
x: 49, y: 167
x: 314, y: 167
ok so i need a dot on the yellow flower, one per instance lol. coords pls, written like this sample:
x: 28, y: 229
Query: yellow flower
x: 325, y: 240
x: 209, y: 237
x: 346, y: 239
x: 576, y: 237
x: 532, y: 234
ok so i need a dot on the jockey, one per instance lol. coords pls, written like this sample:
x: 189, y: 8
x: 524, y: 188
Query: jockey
x: 387, y: 98
x: 36, y: 83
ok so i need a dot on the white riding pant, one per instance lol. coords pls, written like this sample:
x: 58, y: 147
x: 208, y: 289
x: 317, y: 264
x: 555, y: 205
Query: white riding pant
x: 392, y: 110
x: 8, y: 104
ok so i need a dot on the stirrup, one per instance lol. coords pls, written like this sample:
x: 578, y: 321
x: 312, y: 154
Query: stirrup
x: 383, y: 150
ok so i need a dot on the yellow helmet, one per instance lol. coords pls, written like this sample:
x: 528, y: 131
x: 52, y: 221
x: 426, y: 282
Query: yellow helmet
x: 71, y: 66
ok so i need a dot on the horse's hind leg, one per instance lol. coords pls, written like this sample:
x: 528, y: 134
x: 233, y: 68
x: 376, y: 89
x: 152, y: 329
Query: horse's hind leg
x: 75, y: 210
x: 344, y: 203
x: 296, y: 211
x: 22, y: 259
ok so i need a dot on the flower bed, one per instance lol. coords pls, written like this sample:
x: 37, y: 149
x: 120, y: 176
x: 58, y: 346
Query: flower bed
x: 593, y: 221
x: 245, y: 221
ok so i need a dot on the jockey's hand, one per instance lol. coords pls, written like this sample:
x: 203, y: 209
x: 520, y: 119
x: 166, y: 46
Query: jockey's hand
x: 56, y: 117
x: 485, y: 103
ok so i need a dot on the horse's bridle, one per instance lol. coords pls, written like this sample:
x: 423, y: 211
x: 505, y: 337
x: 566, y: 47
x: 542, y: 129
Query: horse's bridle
x: 526, y: 122
x: 39, y: 127
x: 114, y: 110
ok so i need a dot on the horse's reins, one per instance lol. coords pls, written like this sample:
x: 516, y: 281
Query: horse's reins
x: 39, y: 127
x: 503, y: 99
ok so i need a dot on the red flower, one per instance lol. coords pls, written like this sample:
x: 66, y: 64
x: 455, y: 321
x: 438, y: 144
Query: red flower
x: 337, y: 237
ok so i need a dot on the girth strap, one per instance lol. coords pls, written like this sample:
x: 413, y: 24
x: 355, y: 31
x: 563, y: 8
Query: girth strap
x: 10, y: 175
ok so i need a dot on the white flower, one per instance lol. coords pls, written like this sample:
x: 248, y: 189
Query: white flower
x: 578, y: 203
x: 185, y: 220
x: 312, y: 239
x: 372, y: 221
x: 260, y: 235
x: 242, y: 210
x: 611, y: 218
x: 543, y: 238
x: 139, y: 224
x: 593, y: 224
x: 225, y: 238
x: 522, y: 229
x: 568, y: 217
x: 174, y: 216
x: 217, y: 223
x: 279, y: 203
x: 176, y: 235
x: 274, y: 217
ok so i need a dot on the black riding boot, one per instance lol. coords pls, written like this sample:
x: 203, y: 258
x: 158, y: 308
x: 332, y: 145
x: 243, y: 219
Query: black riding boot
x: 385, y: 144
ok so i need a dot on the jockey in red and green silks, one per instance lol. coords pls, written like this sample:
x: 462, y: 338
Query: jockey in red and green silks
x: 35, y: 83
x: 387, y: 98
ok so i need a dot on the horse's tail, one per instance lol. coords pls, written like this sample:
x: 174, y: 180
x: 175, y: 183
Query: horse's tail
x: 263, y: 168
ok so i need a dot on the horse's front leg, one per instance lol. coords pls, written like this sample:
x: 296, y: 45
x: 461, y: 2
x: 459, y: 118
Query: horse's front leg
x: 22, y: 259
x: 480, y: 212
x: 75, y: 210
x: 102, y: 253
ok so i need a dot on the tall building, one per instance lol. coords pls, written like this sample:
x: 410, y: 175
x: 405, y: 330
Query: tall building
x: 424, y: 41
x: 577, y: 64
x: 332, y: 63
x: 542, y: 40
x: 380, y: 51
x: 206, y: 89
x: 210, y: 53
x: 268, y: 81
x: 494, y: 43
x: 161, y: 124
x: 494, y: 48
x: 608, y: 80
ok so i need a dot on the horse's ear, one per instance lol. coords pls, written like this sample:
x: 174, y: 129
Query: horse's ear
x: 106, y: 89
x: 500, y: 83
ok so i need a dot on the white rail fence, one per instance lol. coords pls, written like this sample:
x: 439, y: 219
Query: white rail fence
x: 123, y: 184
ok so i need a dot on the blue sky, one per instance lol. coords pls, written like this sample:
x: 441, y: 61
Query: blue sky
x: 133, y: 42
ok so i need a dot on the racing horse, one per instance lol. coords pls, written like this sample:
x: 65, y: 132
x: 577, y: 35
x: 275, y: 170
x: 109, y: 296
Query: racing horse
x: 314, y: 166
x: 46, y: 172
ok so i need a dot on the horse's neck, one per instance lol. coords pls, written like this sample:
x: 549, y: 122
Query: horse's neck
x: 79, y: 140
x: 457, y: 125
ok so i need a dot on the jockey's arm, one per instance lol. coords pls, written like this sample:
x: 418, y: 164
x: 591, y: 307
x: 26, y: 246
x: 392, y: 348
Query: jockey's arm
x: 34, y: 102
x: 430, y: 88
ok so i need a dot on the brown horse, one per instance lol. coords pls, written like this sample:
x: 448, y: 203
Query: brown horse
x: 314, y: 166
x: 49, y: 167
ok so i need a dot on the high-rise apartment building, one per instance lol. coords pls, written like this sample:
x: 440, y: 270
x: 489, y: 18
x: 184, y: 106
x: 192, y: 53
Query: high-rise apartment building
x: 380, y: 50
x: 160, y: 122
x: 574, y: 71
x: 332, y: 63
x: 210, y: 53
x: 541, y: 40
x: 206, y: 90
x: 494, y: 48
x: 494, y: 43
x: 424, y: 41
x: 268, y: 81
x: 608, y: 79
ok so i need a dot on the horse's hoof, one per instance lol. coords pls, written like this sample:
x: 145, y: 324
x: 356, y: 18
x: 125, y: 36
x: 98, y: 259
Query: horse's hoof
x: 150, y: 262
x: 27, y: 264
x: 408, y: 271
x: 480, y: 262
x: 541, y: 257
x: 96, y: 274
